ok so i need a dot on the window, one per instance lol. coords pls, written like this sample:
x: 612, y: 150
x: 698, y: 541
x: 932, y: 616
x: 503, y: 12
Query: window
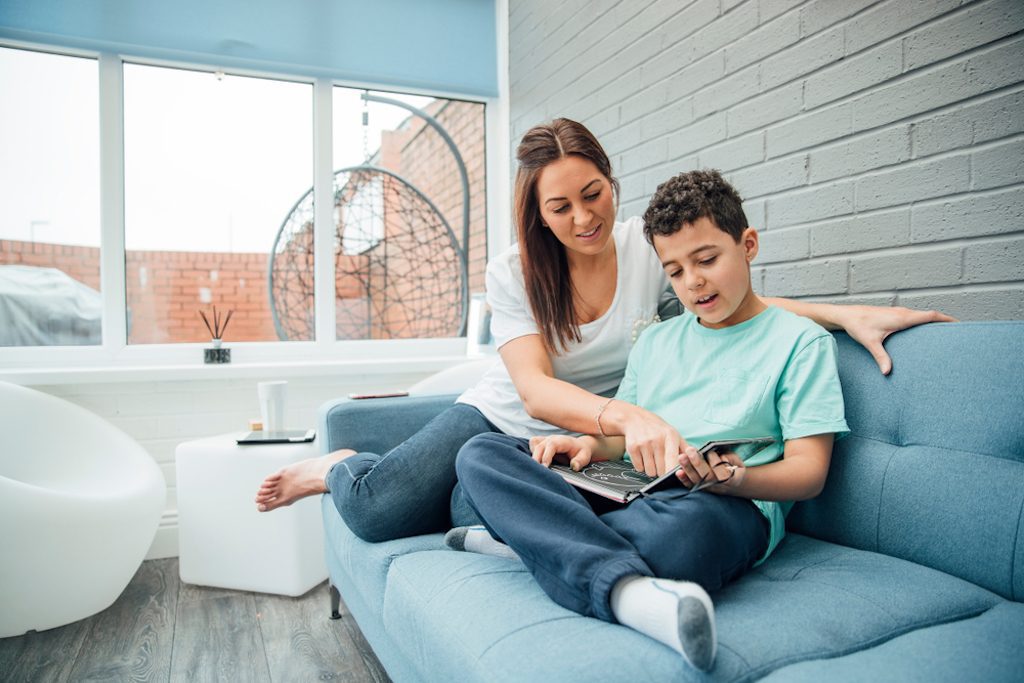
x: 213, y: 165
x: 410, y: 208
x: 214, y: 205
x: 49, y: 200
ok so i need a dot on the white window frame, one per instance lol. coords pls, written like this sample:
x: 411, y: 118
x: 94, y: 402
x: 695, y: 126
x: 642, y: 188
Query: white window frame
x: 114, y: 358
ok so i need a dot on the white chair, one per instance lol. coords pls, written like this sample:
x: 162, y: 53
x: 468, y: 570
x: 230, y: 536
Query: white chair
x: 80, y: 502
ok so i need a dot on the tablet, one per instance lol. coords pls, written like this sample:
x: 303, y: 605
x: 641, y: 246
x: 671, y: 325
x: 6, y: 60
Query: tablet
x: 283, y: 436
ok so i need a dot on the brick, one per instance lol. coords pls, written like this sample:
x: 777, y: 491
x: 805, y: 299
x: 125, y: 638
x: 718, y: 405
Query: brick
x: 778, y: 246
x: 734, y: 153
x: 996, y: 261
x: 659, y: 174
x: 667, y: 119
x: 728, y: 5
x: 891, y: 18
x: 809, y: 130
x: 813, y: 204
x: 768, y: 39
x: 997, y: 117
x: 954, y: 82
x: 906, y: 269
x: 913, y: 181
x: 727, y: 92
x: 766, y: 109
x: 860, y: 154
x: 815, y: 16
x: 644, y: 155
x: 707, y: 131
x: 754, y: 211
x: 696, y: 76
x: 998, y: 166
x: 861, y: 233
x: 988, y: 303
x: 806, y: 56
x: 854, y: 74
x: 859, y: 300
x: 807, y: 278
x: 975, y: 25
x: 773, y: 8
x: 679, y: 36
x: 941, y: 132
x: 725, y: 30
x: 771, y: 177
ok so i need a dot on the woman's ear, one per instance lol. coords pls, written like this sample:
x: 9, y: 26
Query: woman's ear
x: 751, y: 243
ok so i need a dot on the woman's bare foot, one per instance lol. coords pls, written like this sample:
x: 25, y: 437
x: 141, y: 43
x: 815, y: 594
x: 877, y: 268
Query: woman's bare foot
x: 297, y: 481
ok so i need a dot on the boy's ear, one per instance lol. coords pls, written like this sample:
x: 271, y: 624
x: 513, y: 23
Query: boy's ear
x: 751, y: 243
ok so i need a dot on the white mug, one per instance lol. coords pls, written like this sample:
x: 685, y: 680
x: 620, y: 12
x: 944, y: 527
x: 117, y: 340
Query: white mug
x: 272, y: 395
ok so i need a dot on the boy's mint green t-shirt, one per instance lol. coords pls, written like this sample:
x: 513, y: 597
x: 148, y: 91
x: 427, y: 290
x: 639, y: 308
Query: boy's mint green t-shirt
x: 773, y: 375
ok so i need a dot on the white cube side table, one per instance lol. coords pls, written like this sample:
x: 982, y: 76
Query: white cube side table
x: 223, y: 540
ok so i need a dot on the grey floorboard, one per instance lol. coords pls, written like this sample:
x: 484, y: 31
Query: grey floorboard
x: 160, y: 630
x: 132, y: 639
x: 43, y: 656
x: 301, y: 640
x: 217, y: 639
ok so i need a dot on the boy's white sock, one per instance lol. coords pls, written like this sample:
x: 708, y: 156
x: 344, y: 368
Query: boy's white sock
x: 679, y: 614
x: 477, y: 539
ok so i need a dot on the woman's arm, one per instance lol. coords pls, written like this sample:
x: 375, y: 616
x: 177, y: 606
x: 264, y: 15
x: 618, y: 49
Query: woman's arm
x: 648, y: 438
x: 869, y: 325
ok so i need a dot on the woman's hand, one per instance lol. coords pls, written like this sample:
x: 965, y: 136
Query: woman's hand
x: 545, y: 448
x: 653, y: 444
x: 871, y: 325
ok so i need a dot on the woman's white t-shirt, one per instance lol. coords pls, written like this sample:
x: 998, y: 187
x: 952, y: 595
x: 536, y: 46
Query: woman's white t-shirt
x: 596, y: 363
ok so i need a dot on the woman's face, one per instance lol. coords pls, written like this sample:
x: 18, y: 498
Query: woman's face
x: 577, y: 205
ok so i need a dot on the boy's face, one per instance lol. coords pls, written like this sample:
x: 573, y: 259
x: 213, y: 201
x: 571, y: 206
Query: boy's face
x: 710, y: 273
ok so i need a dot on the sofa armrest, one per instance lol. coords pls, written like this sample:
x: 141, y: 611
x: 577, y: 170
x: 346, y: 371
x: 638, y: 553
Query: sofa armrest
x: 376, y: 425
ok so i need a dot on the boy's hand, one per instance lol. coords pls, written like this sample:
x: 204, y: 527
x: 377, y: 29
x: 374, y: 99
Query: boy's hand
x: 718, y: 473
x: 545, y: 448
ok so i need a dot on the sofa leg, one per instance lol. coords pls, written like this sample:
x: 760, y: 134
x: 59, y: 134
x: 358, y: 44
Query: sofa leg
x: 335, y: 601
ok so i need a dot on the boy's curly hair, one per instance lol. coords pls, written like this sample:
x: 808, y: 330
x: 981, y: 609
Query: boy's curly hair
x: 688, y: 196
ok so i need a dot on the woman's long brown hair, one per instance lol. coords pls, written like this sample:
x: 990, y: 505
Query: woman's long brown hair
x: 544, y: 262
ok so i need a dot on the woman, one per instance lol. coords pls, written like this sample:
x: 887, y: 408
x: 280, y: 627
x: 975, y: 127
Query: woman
x: 567, y: 302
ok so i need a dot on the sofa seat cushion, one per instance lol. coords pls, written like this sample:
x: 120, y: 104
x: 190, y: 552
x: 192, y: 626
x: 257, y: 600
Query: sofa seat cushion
x: 467, y: 616
x: 989, y: 647
x: 365, y: 563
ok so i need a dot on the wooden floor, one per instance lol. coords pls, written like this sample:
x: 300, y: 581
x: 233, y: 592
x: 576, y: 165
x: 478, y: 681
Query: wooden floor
x: 163, y: 630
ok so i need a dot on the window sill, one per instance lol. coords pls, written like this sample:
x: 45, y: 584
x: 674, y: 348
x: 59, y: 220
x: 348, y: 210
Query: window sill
x: 229, y: 371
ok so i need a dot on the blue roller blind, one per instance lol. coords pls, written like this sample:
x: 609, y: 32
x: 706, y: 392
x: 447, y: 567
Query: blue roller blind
x: 447, y: 45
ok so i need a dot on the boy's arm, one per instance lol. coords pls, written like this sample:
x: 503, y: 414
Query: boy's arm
x: 799, y: 475
x: 869, y: 325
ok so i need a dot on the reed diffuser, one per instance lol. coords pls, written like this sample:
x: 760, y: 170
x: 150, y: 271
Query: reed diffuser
x: 216, y: 354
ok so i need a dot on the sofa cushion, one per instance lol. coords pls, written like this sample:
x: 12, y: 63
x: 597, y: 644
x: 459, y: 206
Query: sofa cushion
x: 457, y: 611
x: 987, y: 648
x: 934, y: 469
x: 366, y: 564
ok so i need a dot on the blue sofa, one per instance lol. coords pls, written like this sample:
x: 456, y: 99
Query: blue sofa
x: 908, y: 567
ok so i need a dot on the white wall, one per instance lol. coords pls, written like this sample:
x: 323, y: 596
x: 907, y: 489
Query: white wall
x: 879, y: 145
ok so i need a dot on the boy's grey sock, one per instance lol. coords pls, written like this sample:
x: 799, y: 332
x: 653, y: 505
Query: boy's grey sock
x: 477, y: 539
x: 679, y: 614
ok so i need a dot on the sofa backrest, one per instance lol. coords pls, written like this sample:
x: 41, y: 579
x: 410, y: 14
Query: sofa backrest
x: 933, y: 470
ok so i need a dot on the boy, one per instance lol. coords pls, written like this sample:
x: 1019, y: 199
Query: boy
x: 730, y: 367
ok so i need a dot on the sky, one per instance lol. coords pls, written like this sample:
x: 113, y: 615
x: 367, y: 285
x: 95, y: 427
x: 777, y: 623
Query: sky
x: 213, y: 162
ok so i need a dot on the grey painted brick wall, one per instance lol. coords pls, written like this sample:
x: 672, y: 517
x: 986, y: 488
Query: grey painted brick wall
x: 879, y: 144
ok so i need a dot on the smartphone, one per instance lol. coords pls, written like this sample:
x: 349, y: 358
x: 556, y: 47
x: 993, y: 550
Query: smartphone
x: 390, y: 394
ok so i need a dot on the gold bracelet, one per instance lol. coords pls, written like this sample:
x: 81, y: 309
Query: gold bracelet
x: 597, y: 418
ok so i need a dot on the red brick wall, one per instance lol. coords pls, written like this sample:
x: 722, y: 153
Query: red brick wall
x: 164, y: 309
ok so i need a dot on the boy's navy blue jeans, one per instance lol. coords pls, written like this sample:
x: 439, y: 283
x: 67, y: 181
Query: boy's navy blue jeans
x: 578, y: 545
x: 411, y: 489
